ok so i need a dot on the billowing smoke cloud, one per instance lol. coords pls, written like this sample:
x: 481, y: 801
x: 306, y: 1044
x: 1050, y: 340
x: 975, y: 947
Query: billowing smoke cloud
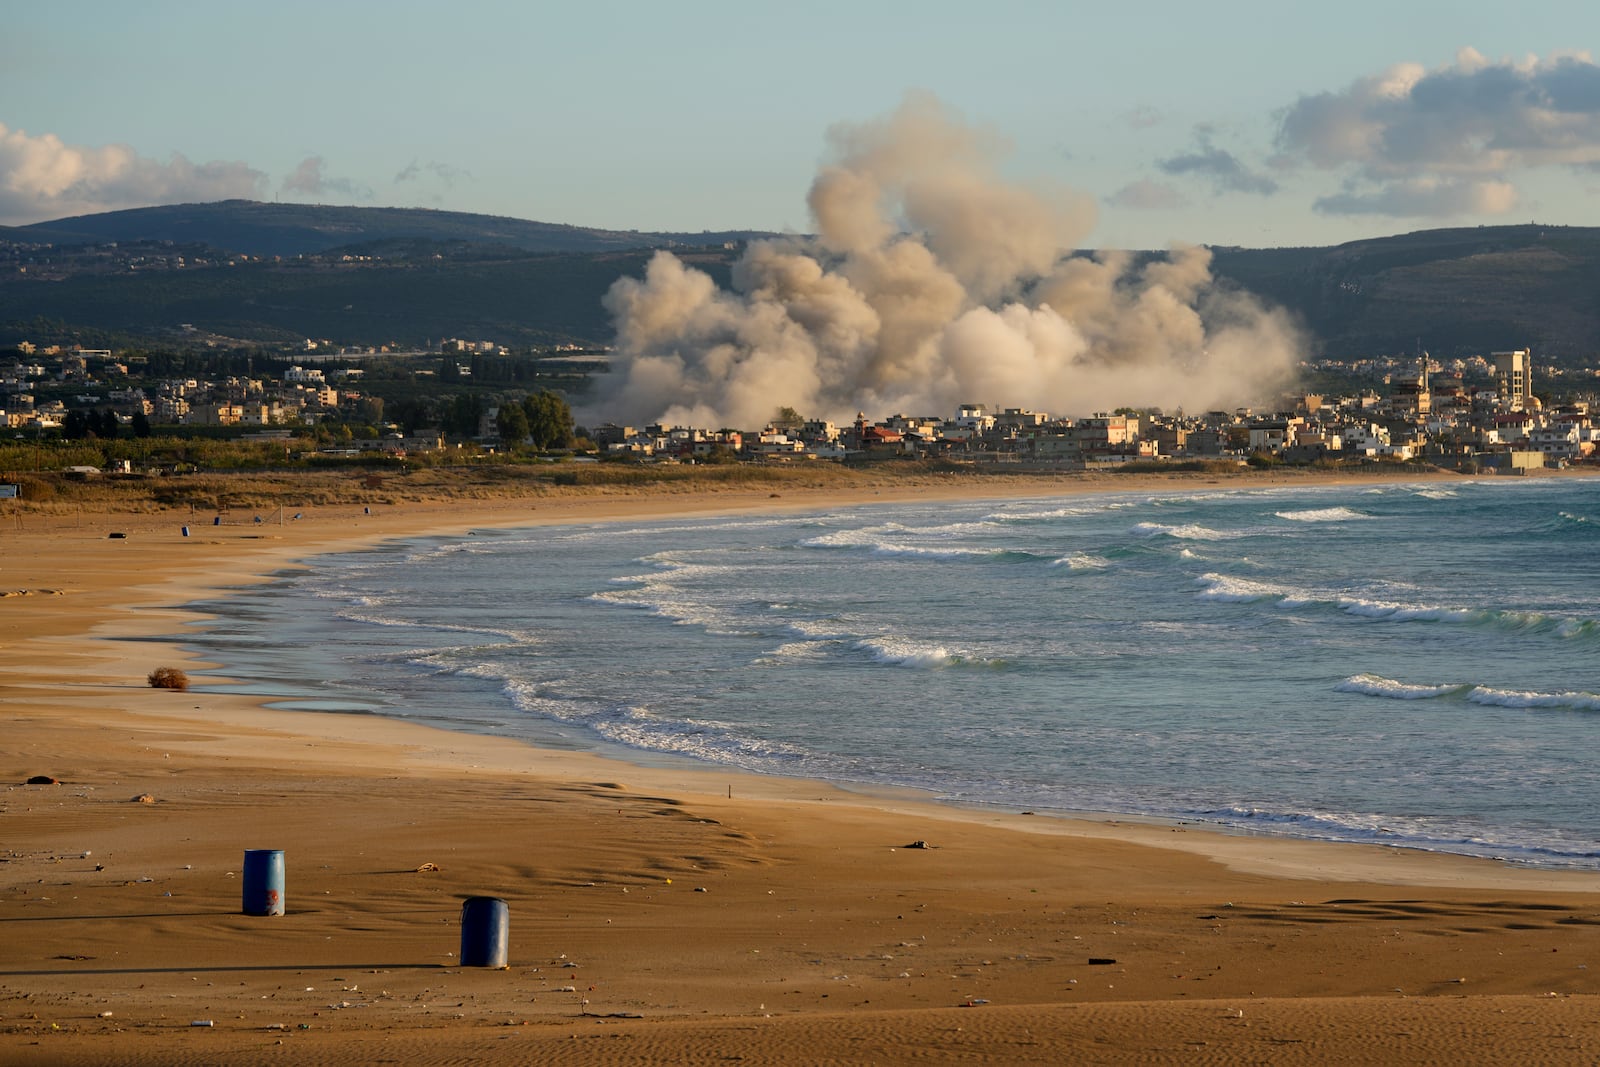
x: 1420, y: 143
x: 311, y: 179
x: 1147, y: 195
x: 428, y: 180
x: 930, y: 283
x: 41, y: 177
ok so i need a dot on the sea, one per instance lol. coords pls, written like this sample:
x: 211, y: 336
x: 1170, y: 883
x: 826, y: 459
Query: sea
x: 1410, y: 664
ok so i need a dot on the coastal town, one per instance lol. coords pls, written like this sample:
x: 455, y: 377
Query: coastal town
x: 1489, y: 413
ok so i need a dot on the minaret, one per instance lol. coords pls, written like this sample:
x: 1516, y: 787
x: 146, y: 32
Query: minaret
x: 1424, y: 396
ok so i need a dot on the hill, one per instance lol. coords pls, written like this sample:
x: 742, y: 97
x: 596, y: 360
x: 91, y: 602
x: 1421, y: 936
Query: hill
x: 512, y: 298
x: 1458, y: 291
x: 258, y: 229
x: 376, y: 275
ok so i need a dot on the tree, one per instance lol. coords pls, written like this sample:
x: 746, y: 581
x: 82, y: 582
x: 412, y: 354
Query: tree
x: 463, y: 414
x: 141, y: 424
x: 411, y: 413
x: 549, y: 419
x: 512, y: 423
x: 787, y: 418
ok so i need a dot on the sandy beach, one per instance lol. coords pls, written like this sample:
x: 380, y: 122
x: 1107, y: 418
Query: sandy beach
x: 660, y: 916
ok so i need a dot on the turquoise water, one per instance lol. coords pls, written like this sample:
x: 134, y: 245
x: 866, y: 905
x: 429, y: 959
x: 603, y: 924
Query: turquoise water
x: 1412, y: 664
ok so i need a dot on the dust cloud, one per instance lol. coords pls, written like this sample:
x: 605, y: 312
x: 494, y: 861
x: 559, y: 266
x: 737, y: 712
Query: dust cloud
x: 932, y: 282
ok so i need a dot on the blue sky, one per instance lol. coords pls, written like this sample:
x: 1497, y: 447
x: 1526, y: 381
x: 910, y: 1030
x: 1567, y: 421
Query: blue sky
x: 1227, y: 123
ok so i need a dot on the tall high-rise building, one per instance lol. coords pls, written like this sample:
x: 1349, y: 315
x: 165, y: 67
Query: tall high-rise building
x: 1513, y: 372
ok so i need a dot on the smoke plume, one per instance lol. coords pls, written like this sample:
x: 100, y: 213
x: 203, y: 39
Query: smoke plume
x: 932, y: 282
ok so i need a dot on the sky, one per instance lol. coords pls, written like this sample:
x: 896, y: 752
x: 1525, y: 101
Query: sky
x: 1229, y: 123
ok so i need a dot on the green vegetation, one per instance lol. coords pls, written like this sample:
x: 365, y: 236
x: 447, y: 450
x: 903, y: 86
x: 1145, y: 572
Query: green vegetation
x: 545, y: 299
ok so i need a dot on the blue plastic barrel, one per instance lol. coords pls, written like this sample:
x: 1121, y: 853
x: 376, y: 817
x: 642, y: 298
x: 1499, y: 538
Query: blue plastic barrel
x: 485, y: 932
x: 263, y: 881
x: 217, y: 521
x: 186, y: 531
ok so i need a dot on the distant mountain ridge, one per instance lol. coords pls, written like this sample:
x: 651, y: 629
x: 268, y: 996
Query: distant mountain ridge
x: 260, y: 229
x: 434, y: 274
x: 1456, y: 291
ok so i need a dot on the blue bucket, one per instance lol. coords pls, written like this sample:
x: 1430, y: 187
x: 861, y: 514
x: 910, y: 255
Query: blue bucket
x: 263, y: 881
x: 485, y: 932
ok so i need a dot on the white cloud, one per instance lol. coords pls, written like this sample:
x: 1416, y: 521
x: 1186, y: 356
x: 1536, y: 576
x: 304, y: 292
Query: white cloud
x: 1426, y: 197
x: 42, y: 177
x: 1447, y: 142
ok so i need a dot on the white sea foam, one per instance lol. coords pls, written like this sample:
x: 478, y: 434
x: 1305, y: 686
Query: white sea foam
x: 1227, y: 588
x: 1082, y: 561
x: 852, y: 537
x: 1333, y: 824
x: 902, y: 652
x: 1396, y: 611
x: 889, y: 548
x: 1237, y: 590
x: 897, y: 540
x: 637, y: 727
x: 1068, y: 512
x: 669, y: 592
x: 820, y: 629
x: 1187, y: 532
x: 796, y: 650
x: 683, y: 611
x: 1512, y: 698
x: 1426, y: 834
x: 1322, y: 515
x: 954, y: 529
x: 1573, y: 628
x: 1375, y: 685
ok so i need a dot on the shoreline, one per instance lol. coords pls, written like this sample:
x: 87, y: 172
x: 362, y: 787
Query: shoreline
x: 387, y: 526
x: 568, y: 738
x: 76, y: 707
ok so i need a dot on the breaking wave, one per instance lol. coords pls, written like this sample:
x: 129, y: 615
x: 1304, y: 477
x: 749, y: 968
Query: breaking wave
x: 1230, y: 589
x: 1512, y: 698
x: 1082, y: 561
x: 1322, y: 515
x: 1378, y: 686
x: 1375, y: 685
x: 1186, y: 532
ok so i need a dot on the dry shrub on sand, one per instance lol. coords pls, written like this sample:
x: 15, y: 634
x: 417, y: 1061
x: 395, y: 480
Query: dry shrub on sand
x: 168, y: 678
